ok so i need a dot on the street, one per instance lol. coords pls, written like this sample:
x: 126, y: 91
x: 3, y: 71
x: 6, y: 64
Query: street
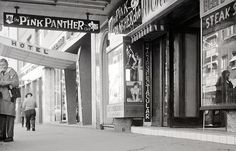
x: 50, y: 137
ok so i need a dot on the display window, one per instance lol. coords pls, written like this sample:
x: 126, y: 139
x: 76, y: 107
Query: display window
x: 219, y: 56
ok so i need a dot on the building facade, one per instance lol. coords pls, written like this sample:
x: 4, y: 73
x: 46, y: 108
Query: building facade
x: 151, y: 67
x: 153, y: 63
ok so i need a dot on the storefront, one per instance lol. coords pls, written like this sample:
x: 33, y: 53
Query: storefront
x: 153, y: 64
x: 218, y: 62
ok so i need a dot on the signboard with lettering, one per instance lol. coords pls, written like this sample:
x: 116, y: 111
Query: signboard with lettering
x: 126, y: 17
x: 51, y: 23
x: 209, y: 6
x: 152, y: 8
x: 219, y: 19
x: 147, y: 83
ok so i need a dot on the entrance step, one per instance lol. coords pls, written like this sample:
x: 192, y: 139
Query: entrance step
x: 211, y: 135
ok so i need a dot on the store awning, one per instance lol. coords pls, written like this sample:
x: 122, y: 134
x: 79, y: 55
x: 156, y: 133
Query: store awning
x: 146, y: 30
x: 37, y: 55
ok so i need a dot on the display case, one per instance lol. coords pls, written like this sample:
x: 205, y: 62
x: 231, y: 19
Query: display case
x: 125, y: 77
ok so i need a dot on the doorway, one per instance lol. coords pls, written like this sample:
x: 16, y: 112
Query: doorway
x: 186, y: 79
x: 160, y: 78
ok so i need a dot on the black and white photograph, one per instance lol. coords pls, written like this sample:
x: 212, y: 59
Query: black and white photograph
x: 117, y: 75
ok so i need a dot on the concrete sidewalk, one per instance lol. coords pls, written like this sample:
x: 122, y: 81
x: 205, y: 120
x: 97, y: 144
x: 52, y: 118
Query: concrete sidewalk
x: 49, y: 137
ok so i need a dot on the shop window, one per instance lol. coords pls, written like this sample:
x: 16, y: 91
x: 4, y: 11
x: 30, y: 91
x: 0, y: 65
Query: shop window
x: 229, y: 32
x: 115, y: 80
x: 219, y: 82
x: 224, y: 62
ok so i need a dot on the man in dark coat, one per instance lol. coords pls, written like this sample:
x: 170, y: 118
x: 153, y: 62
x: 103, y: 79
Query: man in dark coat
x: 8, y: 79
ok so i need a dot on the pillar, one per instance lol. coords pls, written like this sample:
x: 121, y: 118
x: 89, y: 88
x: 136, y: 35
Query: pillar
x: 48, y: 95
x: 70, y: 81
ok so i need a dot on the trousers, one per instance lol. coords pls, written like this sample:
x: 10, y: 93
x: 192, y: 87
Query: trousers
x: 30, y: 118
x: 6, y: 126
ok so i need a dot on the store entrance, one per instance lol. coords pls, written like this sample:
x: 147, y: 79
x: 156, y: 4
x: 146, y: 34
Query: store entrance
x: 186, y: 78
x: 160, y: 70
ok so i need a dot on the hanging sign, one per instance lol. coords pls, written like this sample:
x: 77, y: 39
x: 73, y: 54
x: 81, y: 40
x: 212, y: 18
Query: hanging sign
x: 147, y: 83
x: 51, y: 23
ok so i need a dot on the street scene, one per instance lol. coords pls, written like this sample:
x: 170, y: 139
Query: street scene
x: 125, y: 75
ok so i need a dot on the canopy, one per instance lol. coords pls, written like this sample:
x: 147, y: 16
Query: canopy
x: 37, y: 55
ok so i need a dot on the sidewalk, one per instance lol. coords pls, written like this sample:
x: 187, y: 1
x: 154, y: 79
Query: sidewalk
x: 217, y: 135
x: 48, y: 137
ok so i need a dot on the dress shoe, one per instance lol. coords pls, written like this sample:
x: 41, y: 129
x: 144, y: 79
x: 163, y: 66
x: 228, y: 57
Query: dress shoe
x: 1, y: 139
x: 9, y: 139
x: 33, y: 129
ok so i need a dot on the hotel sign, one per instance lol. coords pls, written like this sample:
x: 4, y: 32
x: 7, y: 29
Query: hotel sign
x: 147, y: 83
x: 126, y: 17
x: 51, y: 23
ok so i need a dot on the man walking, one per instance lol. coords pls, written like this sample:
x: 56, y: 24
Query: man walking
x: 8, y: 79
x: 29, y: 106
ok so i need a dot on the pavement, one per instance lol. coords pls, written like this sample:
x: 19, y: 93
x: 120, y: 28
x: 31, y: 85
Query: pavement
x: 49, y: 137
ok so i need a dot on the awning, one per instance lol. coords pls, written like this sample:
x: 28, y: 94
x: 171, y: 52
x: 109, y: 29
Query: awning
x: 37, y: 55
x: 146, y: 30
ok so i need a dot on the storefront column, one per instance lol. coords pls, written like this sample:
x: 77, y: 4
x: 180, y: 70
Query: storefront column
x: 48, y: 95
x: 231, y: 121
x: 70, y: 80
x: 95, y: 99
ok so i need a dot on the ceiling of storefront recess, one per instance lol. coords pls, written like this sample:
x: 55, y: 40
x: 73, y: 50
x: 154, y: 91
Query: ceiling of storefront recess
x: 98, y: 9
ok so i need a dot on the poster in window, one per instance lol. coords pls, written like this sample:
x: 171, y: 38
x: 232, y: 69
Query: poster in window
x: 133, y: 71
x: 134, y: 91
x: 115, y: 75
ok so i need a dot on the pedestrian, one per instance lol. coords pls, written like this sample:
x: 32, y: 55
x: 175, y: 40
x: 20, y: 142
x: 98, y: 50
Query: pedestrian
x: 8, y: 79
x: 29, y: 106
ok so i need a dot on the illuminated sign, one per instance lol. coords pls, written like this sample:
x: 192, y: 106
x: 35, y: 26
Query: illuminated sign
x: 51, y: 23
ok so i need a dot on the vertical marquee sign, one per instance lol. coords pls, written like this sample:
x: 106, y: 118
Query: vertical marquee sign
x: 147, y: 83
x: 51, y: 23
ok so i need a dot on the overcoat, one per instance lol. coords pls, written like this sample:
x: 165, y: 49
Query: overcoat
x: 10, y: 77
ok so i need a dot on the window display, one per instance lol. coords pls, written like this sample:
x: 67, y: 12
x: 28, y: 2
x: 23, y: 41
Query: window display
x: 218, y: 67
x: 115, y: 72
x: 219, y: 56
x: 134, y: 72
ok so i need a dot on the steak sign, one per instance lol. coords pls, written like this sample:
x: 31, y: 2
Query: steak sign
x: 51, y: 23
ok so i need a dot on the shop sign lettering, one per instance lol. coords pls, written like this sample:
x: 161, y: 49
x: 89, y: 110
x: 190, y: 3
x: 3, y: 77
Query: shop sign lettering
x: 147, y: 84
x: 219, y: 19
x: 151, y: 8
x: 51, y: 23
x: 126, y: 17
x: 29, y: 47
